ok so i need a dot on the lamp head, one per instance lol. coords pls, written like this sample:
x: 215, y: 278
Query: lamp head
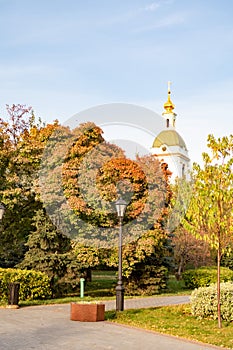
x: 120, y: 207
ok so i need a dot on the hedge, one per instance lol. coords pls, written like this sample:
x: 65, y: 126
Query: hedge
x: 205, y: 276
x: 204, y: 302
x: 33, y: 284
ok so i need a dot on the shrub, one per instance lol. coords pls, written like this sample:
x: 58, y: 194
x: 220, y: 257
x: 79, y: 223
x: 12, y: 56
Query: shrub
x: 205, y: 276
x: 204, y: 302
x: 147, y: 281
x: 33, y: 284
x: 227, y: 258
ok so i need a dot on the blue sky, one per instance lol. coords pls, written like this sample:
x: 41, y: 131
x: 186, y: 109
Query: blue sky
x: 63, y: 56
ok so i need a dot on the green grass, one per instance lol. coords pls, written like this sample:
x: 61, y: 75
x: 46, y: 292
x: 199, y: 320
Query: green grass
x: 103, y: 284
x: 176, y: 321
x: 65, y: 300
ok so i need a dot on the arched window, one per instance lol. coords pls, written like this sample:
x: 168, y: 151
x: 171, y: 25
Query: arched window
x: 167, y: 123
x: 183, y: 170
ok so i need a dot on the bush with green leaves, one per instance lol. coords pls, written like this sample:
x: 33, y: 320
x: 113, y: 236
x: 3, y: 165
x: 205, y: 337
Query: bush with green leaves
x: 227, y: 258
x: 147, y: 280
x: 204, y: 302
x: 33, y: 284
x: 205, y: 276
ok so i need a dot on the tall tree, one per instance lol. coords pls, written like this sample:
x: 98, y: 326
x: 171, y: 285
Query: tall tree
x: 51, y: 252
x: 21, y: 144
x: 188, y: 250
x: 147, y: 246
x: 210, y: 214
x: 80, y: 171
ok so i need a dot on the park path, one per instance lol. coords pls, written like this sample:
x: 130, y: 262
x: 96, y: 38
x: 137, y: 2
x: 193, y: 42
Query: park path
x: 138, y: 303
x: 49, y: 328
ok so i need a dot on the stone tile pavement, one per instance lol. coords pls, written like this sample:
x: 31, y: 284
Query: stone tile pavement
x: 137, y: 303
x: 50, y: 328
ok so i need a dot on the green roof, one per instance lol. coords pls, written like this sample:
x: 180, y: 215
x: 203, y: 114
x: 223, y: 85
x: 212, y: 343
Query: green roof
x: 169, y: 138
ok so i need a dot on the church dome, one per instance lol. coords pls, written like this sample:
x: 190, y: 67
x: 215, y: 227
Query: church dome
x: 169, y: 138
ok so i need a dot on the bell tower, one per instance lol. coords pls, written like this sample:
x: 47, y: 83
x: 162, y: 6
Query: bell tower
x: 169, y: 146
x: 168, y: 113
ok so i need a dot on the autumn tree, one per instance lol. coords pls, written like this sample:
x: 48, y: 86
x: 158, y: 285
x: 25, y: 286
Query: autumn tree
x: 22, y: 141
x: 210, y: 216
x: 188, y: 250
x: 84, y: 159
x: 93, y: 173
x: 147, y: 245
x: 81, y: 176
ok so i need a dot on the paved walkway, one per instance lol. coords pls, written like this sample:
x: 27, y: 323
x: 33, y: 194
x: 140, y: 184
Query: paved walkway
x: 50, y: 328
x: 138, y: 303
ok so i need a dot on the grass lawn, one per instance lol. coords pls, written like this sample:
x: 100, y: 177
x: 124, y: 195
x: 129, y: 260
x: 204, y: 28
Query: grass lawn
x: 177, y: 321
x: 102, y: 285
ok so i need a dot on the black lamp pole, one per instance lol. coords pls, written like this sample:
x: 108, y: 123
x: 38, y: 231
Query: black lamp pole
x: 2, y: 210
x: 120, y: 207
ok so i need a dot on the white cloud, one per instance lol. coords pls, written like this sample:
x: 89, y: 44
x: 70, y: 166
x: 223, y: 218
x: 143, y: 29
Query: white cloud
x: 165, y: 22
x: 152, y: 7
x: 156, y: 4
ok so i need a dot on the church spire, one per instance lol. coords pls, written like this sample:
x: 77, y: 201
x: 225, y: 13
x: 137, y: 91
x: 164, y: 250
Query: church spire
x: 169, y: 106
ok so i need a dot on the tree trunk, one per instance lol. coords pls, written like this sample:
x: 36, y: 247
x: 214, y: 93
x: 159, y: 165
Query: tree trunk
x: 180, y: 268
x: 88, y: 275
x: 218, y: 290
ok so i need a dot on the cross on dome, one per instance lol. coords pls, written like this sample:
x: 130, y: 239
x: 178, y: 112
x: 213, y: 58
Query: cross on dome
x: 169, y: 106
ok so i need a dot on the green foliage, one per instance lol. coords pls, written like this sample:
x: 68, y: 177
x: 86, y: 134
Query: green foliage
x: 209, y: 216
x: 204, y: 302
x: 144, y: 263
x: 103, y: 284
x: 205, y: 276
x: 21, y: 146
x: 33, y: 284
x: 77, y: 160
x: 51, y: 252
x: 142, y: 182
x: 227, y: 258
x: 92, y: 257
x: 189, y: 251
x: 176, y: 286
x: 147, y: 280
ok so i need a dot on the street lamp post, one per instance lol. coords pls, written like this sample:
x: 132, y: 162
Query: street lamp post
x: 2, y: 211
x: 120, y: 207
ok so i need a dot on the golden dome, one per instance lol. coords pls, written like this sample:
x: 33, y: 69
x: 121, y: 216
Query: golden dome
x: 169, y: 138
x: 169, y: 106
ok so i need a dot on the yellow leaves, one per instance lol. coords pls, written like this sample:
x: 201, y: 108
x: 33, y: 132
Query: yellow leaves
x: 212, y: 201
